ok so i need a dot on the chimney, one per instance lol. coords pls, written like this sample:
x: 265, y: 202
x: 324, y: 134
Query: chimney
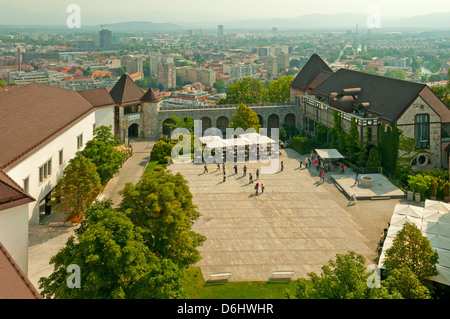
x: 19, y: 60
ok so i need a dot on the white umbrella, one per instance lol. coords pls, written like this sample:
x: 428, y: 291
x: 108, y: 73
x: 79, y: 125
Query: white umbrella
x: 408, y: 210
x: 238, y: 141
x: 399, y: 220
x: 257, y: 138
x: 217, y: 144
x: 437, y: 205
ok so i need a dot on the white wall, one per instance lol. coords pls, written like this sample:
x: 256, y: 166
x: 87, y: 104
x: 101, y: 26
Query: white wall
x: 14, y: 234
x: 29, y: 167
x: 105, y: 116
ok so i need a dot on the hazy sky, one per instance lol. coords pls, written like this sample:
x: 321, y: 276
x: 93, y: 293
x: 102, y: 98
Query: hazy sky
x: 210, y: 10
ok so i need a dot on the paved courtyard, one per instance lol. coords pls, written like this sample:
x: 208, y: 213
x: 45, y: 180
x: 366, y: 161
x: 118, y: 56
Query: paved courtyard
x: 298, y: 224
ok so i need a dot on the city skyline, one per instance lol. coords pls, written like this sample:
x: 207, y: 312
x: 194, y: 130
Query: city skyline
x: 47, y: 12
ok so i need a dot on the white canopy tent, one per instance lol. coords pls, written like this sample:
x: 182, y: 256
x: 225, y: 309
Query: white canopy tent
x: 329, y: 153
x: 238, y: 141
x: 208, y: 139
x: 434, y: 222
x: 257, y: 138
x: 217, y: 143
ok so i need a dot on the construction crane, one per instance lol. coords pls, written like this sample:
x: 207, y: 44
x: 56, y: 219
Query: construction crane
x: 102, y: 25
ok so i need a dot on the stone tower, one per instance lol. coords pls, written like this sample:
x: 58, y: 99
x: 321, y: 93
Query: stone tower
x: 150, y: 107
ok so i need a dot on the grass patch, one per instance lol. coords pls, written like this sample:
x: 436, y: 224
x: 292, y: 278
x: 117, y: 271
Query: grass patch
x: 151, y: 166
x: 197, y: 288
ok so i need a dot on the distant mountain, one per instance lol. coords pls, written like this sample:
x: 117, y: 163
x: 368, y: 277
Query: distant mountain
x: 143, y: 26
x: 337, y: 21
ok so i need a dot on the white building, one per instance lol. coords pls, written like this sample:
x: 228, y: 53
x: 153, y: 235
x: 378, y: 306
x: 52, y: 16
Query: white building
x: 42, y: 128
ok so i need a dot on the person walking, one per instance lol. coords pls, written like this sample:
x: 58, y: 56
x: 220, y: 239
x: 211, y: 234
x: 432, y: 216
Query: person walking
x: 322, y: 174
x: 257, y: 173
x: 218, y: 166
x: 301, y: 162
x: 306, y: 162
x: 316, y: 162
x: 356, y: 179
x: 342, y: 168
x: 245, y: 170
x: 262, y: 188
x: 205, y: 169
x: 250, y: 177
x: 235, y: 169
x: 256, y: 189
x: 282, y: 166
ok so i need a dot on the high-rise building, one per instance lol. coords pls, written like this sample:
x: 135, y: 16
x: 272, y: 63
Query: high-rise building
x: 133, y: 63
x: 167, y: 75
x: 105, y: 39
x: 220, y: 30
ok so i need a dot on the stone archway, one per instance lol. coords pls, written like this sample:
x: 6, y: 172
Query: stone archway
x: 289, y: 125
x: 133, y: 130
x: 273, y: 121
x: 222, y: 123
x: 206, y: 123
x: 166, y: 131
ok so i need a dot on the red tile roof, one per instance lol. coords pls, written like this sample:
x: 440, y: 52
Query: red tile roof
x: 11, y: 194
x: 14, y: 284
x: 32, y: 115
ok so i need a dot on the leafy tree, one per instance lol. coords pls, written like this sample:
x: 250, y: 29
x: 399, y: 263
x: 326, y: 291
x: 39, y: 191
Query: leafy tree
x: 373, y: 159
x: 78, y: 188
x: 294, y: 63
x: 161, y: 205
x: 404, y: 282
x: 113, y: 260
x: 187, y: 123
x: 245, y: 118
x: 396, y: 74
x: 3, y: 83
x: 345, y: 278
x: 278, y: 91
x: 410, y: 249
x: 103, y: 153
x: 247, y: 91
x: 160, y: 150
x: 220, y: 86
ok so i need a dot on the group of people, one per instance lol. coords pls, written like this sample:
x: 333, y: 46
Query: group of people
x: 244, y: 169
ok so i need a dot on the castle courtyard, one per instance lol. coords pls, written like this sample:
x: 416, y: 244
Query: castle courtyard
x: 298, y: 224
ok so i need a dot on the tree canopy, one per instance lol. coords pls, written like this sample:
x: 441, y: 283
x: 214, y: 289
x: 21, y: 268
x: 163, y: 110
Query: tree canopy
x: 245, y: 118
x: 102, y: 151
x: 113, y: 261
x: 247, y: 91
x: 78, y: 187
x: 161, y: 205
x: 410, y: 249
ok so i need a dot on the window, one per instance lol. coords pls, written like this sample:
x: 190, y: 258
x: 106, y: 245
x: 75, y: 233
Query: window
x: 26, y: 184
x: 422, y: 130
x: 79, y: 141
x: 45, y: 171
x: 61, y: 157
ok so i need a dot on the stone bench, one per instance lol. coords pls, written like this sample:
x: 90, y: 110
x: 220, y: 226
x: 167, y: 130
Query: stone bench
x: 283, y: 274
x: 220, y: 275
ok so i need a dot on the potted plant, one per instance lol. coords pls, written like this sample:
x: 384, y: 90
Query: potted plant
x: 433, y: 191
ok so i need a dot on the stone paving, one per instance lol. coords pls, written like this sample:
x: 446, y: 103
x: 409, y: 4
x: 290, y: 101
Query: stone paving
x: 298, y: 224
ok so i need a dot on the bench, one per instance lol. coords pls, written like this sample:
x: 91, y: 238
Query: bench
x: 283, y: 273
x: 220, y: 275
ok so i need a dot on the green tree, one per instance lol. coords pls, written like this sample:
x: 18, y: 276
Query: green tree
x: 344, y: 278
x: 78, y: 188
x: 102, y: 151
x: 3, y: 83
x: 247, y: 91
x: 396, y: 74
x: 373, y: 159
x: 161, y: 205
x: 410, y: 249
x: 279, y: 91
x: 245, y: 118
x: 186, y: 123
x: 404, y: 282
x: 220, y: 86
x: 114, y: 262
